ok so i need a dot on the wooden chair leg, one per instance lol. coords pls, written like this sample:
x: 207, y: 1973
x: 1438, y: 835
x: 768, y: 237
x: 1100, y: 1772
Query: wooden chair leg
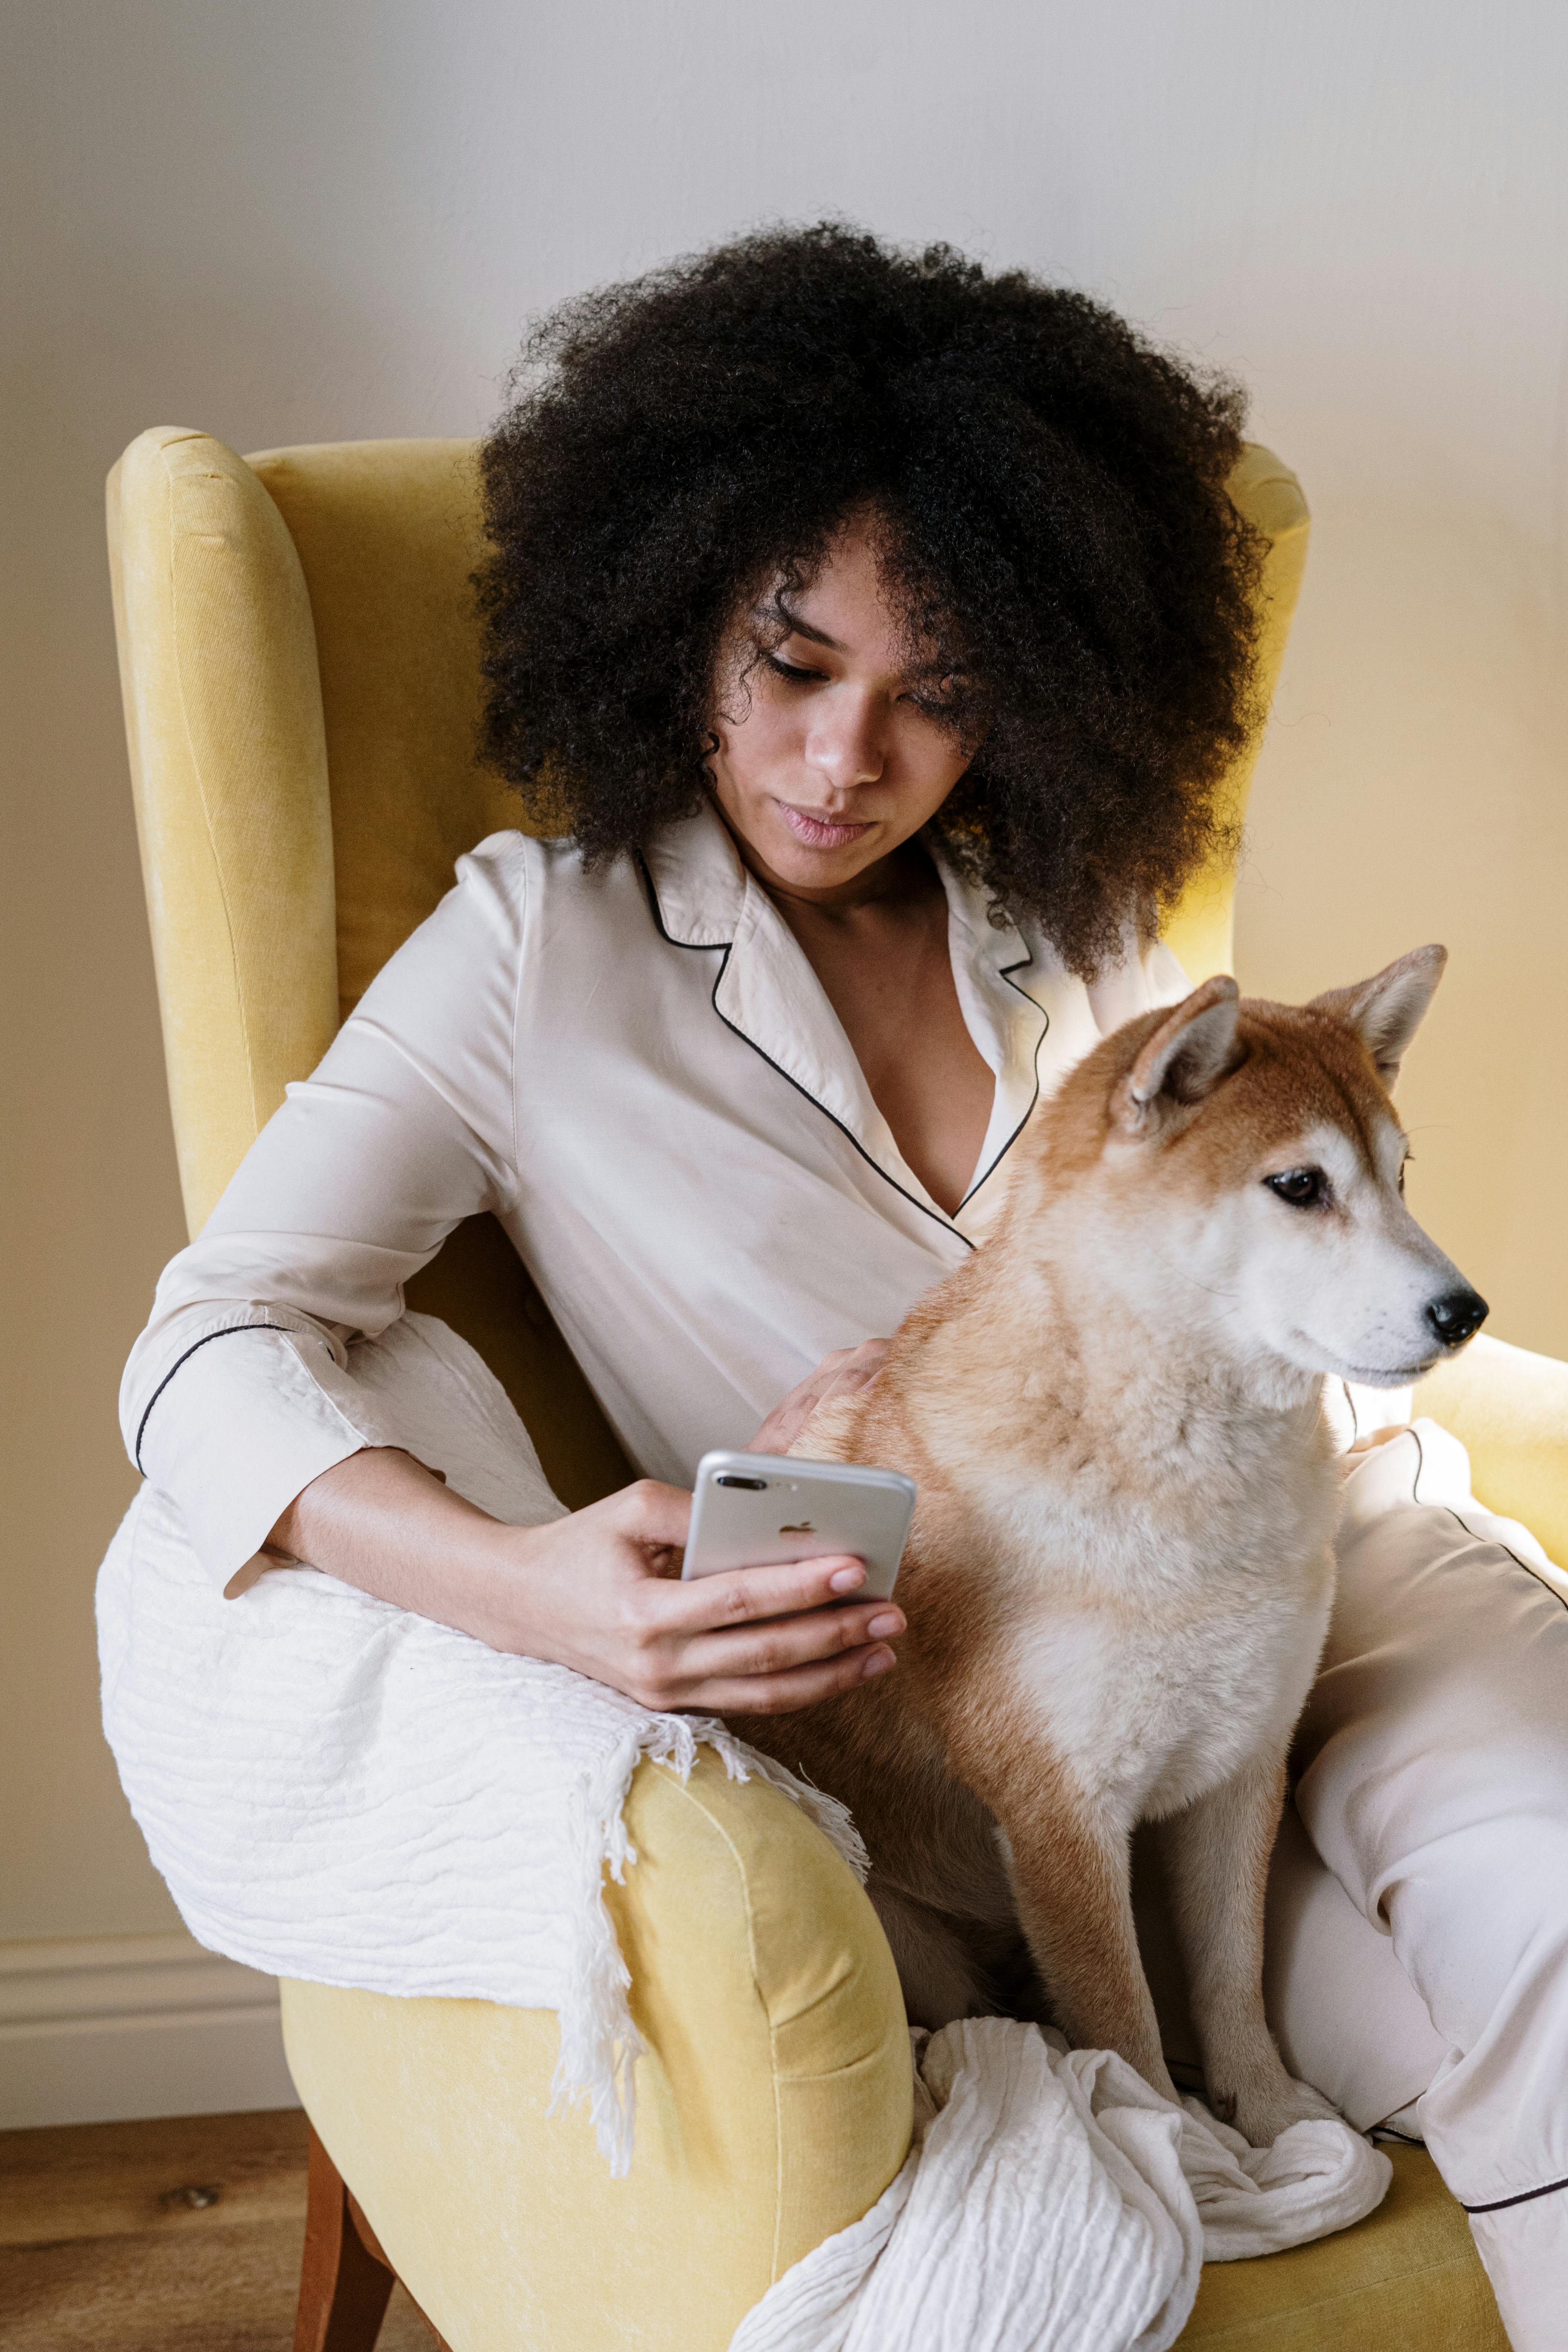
x: 345, y: 2279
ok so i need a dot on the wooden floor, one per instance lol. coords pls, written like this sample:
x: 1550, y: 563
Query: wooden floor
x: 179, y: 2236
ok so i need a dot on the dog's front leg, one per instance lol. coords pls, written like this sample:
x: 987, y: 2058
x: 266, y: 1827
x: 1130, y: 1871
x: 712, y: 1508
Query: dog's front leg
x: 1217, y: 1855
x: 1070, y: 1862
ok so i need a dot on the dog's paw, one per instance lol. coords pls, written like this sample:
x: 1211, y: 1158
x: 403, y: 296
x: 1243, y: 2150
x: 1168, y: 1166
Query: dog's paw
x: 1262, y: 2111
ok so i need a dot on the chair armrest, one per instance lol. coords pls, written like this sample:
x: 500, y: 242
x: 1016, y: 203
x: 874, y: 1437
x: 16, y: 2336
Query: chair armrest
x: 775, y: 2096
x: 1510, y: 1410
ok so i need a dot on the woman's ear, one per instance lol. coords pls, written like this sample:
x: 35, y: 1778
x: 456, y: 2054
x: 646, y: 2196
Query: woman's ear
x: 1193, y: 1048
x: 1386, y: 1010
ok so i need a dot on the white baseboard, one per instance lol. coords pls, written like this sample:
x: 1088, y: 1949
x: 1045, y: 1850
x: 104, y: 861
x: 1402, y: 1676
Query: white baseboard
x: 104, y: 2029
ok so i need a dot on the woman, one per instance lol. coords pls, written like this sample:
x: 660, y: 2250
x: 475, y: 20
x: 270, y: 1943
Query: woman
x: 882, y: 632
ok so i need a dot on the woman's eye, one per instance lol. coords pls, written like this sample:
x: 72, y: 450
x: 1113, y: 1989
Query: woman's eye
x: 1302, y: 1187
x: 791, y: 670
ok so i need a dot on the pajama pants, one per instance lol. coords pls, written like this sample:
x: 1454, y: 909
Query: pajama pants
x: 1417, y: 1937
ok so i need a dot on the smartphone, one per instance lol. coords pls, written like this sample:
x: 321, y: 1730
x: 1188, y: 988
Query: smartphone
x: 761, y: 1510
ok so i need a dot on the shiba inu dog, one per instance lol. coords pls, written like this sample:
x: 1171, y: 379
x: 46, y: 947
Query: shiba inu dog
x: 1120, y: 1573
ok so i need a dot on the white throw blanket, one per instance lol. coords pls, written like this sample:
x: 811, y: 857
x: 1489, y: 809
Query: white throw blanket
x: 1053, y: 2202
x: 338, y: 1791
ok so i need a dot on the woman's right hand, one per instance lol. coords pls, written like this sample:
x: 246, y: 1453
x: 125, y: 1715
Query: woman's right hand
x: 842, y: 1373
x: 596, y: 1590
x: 599, y: 1591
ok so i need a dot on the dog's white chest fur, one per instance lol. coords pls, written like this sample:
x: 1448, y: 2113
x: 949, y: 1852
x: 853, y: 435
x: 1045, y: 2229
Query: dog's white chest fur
x: 1166, y: 1627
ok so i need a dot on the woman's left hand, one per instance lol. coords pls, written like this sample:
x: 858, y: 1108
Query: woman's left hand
x: 845, y: 1369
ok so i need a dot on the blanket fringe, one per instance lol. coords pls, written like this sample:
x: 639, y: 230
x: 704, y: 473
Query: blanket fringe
x: 599, y: 2045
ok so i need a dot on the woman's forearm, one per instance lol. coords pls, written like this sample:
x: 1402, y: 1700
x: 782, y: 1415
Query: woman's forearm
x: 596, y: 1590
x: 381, y: 1521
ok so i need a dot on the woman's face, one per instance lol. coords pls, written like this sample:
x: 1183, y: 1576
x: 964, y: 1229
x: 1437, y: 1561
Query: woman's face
x: 832, y: 746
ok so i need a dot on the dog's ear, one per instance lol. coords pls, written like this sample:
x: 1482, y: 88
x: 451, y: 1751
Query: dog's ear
x: 1386, y: 1010
x: 1191, y: 1050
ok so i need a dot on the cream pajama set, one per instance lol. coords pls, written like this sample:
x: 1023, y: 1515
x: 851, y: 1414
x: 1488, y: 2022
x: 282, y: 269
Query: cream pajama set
x: 637, y: 1071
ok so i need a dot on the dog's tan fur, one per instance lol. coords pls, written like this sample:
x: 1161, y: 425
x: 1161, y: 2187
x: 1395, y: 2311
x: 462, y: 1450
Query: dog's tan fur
x: 1120, y: 1573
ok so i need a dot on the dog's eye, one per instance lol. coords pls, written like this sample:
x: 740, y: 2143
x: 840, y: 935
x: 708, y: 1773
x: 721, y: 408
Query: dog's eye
x: 1302, y: 1187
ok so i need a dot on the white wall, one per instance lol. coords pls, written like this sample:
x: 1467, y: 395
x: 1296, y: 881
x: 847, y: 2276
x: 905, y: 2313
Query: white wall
x: 305, y: 221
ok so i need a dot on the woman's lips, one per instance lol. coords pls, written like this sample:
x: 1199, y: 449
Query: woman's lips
x: 819, y: 832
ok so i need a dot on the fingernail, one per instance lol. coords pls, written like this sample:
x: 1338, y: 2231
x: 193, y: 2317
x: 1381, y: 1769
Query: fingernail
x: 847, y: 1580
x: 876, y: 1663
x: 889, y: 1622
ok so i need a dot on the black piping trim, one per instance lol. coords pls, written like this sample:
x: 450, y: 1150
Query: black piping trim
x: 1006, y: 972
x: 1476, y: 1537
x: 713, y: 947
x: 1525, y: 2197
x: 226, y: 1333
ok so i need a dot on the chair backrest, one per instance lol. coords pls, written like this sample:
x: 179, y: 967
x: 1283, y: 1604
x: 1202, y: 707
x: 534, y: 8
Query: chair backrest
x: 298, y: 655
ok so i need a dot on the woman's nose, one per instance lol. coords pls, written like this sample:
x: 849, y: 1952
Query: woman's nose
x: 845, y: 745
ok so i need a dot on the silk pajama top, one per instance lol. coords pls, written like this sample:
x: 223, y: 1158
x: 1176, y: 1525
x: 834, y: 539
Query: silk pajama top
x: 638, y: 1071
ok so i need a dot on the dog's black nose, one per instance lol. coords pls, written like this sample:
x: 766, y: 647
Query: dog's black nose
x: 1456, y: 1315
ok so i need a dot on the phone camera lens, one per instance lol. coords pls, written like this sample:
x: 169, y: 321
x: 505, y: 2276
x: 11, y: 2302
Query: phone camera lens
x: 752, y: 1485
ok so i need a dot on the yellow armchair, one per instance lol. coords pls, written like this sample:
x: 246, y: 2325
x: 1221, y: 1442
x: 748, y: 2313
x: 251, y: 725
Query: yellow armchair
x: 299, y: 657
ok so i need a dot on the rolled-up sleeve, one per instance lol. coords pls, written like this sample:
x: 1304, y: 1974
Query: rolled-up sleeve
x: 241, y: 1390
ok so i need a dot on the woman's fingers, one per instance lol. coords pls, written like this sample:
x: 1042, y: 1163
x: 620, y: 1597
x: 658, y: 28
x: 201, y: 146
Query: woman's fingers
x: 739, y: 1596
x: 783, y: 1693
x: 787, y: 1421
x: 845, y: 1369
x: 759, y: 1641
x: 860, y: 1366
x: 778, y: 1645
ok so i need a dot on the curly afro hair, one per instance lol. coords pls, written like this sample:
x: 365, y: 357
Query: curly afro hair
x: 1051, y: 496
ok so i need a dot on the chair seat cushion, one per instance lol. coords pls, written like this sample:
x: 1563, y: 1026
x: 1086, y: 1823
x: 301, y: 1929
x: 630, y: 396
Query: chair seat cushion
x: 1409, y: 2274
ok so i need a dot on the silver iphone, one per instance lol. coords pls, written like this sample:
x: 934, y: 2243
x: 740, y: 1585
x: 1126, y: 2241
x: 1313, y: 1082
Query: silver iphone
x: 761, y: 1510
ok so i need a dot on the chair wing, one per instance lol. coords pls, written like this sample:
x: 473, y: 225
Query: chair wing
x: 1202, y: 929
x: 229, y: 763
x: 388, y: 535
